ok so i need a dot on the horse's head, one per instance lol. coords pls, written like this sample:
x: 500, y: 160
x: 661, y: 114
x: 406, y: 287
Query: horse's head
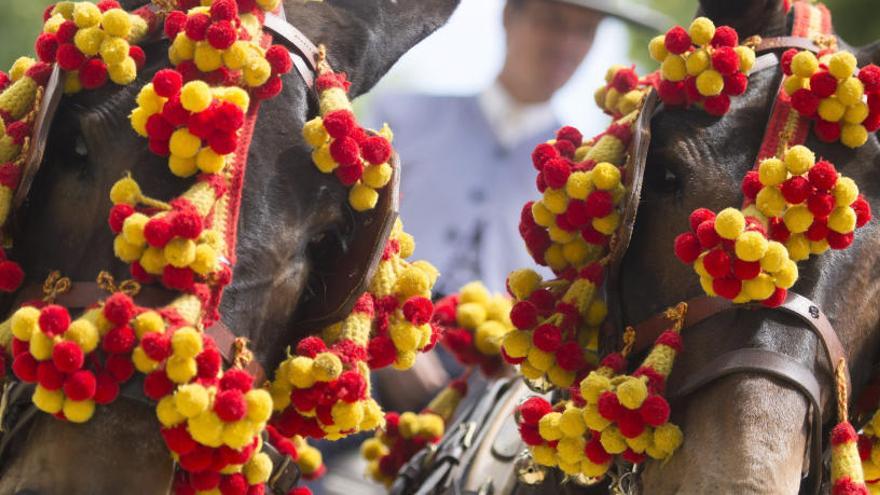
x: 747, y: 433
x: 295, y: 227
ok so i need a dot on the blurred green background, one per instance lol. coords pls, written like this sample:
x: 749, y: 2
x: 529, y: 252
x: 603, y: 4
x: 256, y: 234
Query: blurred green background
x: 20, y: 22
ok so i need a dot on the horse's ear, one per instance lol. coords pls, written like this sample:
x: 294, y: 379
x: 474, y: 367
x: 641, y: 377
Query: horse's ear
x: 748, y: 17
x: 869, y: 54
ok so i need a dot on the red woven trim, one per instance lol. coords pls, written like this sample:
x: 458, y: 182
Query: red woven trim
x: 802, y: 14
x: 10, y: 175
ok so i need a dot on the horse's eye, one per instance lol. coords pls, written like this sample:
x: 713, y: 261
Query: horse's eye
x: 80, y: 147
x: 662, y: 180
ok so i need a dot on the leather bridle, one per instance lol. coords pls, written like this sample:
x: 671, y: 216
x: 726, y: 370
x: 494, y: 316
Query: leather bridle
x: 701, y: 308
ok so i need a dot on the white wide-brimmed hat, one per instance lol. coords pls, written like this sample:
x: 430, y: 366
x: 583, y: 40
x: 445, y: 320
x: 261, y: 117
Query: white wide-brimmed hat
x: 632, y: 12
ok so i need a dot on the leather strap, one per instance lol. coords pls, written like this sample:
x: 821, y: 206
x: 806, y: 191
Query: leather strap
x: 303, y: 53
x: 780, y: 42
x: 775, y: 365
x: 285, y: 473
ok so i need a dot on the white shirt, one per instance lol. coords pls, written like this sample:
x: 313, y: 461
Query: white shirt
x: 511, y: 120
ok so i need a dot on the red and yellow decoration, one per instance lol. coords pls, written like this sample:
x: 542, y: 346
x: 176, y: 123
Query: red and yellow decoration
x: 702, y: 65
x: 843, y: 100
x: 474, y: 323
x: 847, y: 474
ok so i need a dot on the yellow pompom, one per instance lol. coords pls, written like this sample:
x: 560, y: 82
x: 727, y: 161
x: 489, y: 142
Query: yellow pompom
x: 78, y: 411
x: 195, y: 97
x: 774, y: 257
x: 309, y: 460
x: 657, y: 48
x: 205, y: 259
x: 571, y: 449
x: 522, y: 283
x: 430, y: 426
x: 608, y: 224
x: 605, y: 176
x: 324, y: 160
x: 850, y: 91
x: 487, y: 337
x: 673, y: 68
x: 640, y: 442
x: 236, y: 96
x: 710, y: 83
x: 191, y: 400
x: 326, y: 367
x: 347, y: 415
x: 257, y: 72
x: 125, y: 250
x: 772, y: 172
x: 857, y: 113
x: 40, y: 346
x: 539, y: 359
x: 180, y: 252
x: 544, y: 455
x: 632, y: 393
x: 760, y: 287
x: 845, y: 192
x: 819, y: 247
x: 831, y: 109
x: 377, y: 176
x: 517, y: 344
x: 207, y: 429
x: 49, y: 401
x: 182, y: 48
x: 25, y: 322
x: 237, y: 55
x: 124, y: 72
x: 667, y: 437
x: 804, y: 64
x: 206, y: 57
x: 114, y: 50
x: 842, y: 65
x: 701, y: 30
x: 86, y: 14
x: 793, y: 83
x: 125, y: 191
x: 474, y: 292
x: 239, y: 434
x: 363, y: 197
x: 842, y: 220
x: 548, y: 426
x: 571, y: 423
x: 209, y: 161
x: 133, y: 228
x: 186, y: 342
x: 770, y: 202
x: 180, y: 369
x: 787, y: 275
x: 153, y: 260
x: 555, y: 200
x: 853, y: 135
x: 730, y: 223
x: 560, y: 377
x: 373, y: 448
x: 88, y: 40
x: 138, y: 120
x: 149, y: 101
x: 746, y: 58
x: 592, y: 470
x: 751, y: 246
x: 142, y: 362
x: 166, y: 411
x: 697, y: 62
x: 593, y: 385
x: 798, y: 219
x: 613, y: 441
x: 116, y: 22
x: 83, y: 333
x: 20, y: 67
x: 184, y: 144
x: 529, y: 371
x: 405, y: 336
x: 799, y: 159
x: 259, y: 405
x: 413, y: 282
x: 798, y: 247
x: 300, y: 372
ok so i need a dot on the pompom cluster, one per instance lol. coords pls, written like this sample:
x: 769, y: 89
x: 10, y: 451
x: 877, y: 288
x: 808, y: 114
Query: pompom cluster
x: 571, y: 225
x: 621, y: 94
x: 404, y: 435
x: 556, y: 336
x: 843, y: 101
x: 734, y: 258
x: 216, y: 44
x: 609, y: 415
x: 847, y: 474
x: 702, y: 66
x: 194, y: 125
x: 308, y: 458
x: 869, y: 451
x: 474, y: 323
x: 94, y: 43
x: 810, y: 207
x: 359, y: 158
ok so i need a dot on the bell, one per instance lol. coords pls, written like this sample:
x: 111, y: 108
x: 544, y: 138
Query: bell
x: 528, y: 472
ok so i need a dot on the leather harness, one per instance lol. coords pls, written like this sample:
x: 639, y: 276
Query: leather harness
x: 16, y: 406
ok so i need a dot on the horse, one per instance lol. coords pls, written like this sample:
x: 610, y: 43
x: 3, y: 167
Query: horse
x: 746, y: 433
x: 295, y: 226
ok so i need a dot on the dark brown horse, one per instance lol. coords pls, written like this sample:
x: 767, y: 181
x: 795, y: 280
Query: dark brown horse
x: 747, y: 433
x: 294, y: 227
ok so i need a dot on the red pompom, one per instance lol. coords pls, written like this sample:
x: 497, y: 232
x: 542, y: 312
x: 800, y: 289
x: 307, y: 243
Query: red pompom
x: 119, y: 367
x: 234, y: 484
x: 717, y: 105
x: 870, y: 77
x: 345, y: 151
x: 823, y: 175
x: 687, y: 247
x: 66, y: 31
x: 795, y: 190
x: 339, y: 123
x: 727, y: 288
x: 106, y: 389
x: 595, y: 452
x: 157, y: 346
x: 67, y: 356
x: 735, y: 84
x: 746, y: 270
x: 828, y: 132
x: 624, y: 81
x: 376, y: 150
x: 137, y: 54
x: 230, y: 405
x: 174, y: 23
x: 571, y: 134
x: 533, y: 409
x: 785, y: 61
x: 159, y: 147
x: 805, y: 102
x: 655, y: 410
x: 54, y: 320
x: 49, y: 377
x: 547, y: 337
x: 260, y: 489
x: 221, y: 35
x: 863, y: 211
x: 228, y: 117
x: 843, y: 433
x: 820, y: 204
x: 725, y: 60
x: 524, y: 315
x: 197, y: 26
x: 11, y: 276
x: 599, y: 204
x: 677, y: 40
x: 167, y: 82
x: 178, y: 439
x: 565, y: 148
x: 119, y: 308
x: 199, y: 459
x: 556, y: 172
x: 839, y: 241
x: 4, y: 80
x: 717, y: 263
x: 823, y: 84
x: 93, y: 74
x: 25, y: 367
x: 236, y: 379
x: 570, y: 356
x: 691, y: 91
x: 310, y: 346
x: 223, y: 143
x: 381, y: 352
x: 156, y: 385
x: 208, y: 364
x: 543, y: 153
x: 847, y: 486
x: 174, y: 112
x: 80, y: 386
x: 672, y: 93
x: 630, y: 423
x: 119, y: 340
x: 105, y: 5
x: 187, y: 224
x: 608, y: 405
x: 46, y: 47
x: 159, y: 129
x: 751, y: 184
x: 224, y: 10
x: 418, y: 310
x: 670, y: 339
x: 157, y: 232
x: 181, y: 279
x: 778, y: 231
x: 725, y: 36
x: 279, y: 58
x: 699, y: 216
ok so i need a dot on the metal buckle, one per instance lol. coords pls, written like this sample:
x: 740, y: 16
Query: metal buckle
x: 470, y: 429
